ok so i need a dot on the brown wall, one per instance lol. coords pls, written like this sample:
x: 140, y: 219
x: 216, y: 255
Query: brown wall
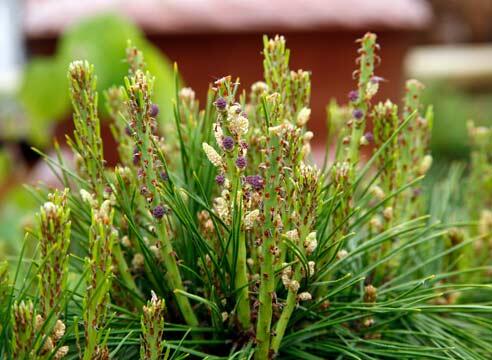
x: 329, y: 55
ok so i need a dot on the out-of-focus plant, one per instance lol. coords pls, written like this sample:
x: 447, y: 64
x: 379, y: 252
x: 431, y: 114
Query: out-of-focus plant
x: 453, y: 108
x: 102, y: 41
x: 44, y: 100
x: 257, y: 252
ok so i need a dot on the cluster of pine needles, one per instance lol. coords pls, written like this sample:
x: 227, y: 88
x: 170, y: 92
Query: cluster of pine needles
x: 217, y: 237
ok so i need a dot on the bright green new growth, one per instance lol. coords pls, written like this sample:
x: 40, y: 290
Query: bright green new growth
x: 87, y: 143
x: 256, y: 252
x: 30, y: 339
x: 24, y: 329
x: 98, y: 267
x: 480, y: 188
x: 54, y: 240
x: 152, y: 344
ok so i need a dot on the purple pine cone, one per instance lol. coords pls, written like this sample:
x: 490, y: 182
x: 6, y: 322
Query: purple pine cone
x: 220, y: 179
x: 221, y: 104
x: 353, y: 95
x: 256, y: 181
x: 369, y: 137
x: 228, y: 143
x: 358, y: 114
x: 159, y: 212
x: 241, y: 162
x: 154, y: 110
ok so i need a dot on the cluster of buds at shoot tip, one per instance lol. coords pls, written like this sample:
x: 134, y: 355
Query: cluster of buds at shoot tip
x: 87, y: 142
x: 276, y: 65
x: 187, y: 97
x: 342, y: 181
x: 370, y: 297
x: 299, y: 92
x: 360, y: 99
x: 311, y: 243
x: 152, y: 343
x: 134, y: 58
x: 415, y: 160
x: 292, y: 87
x: 54, y: 237
x: 258, y: 90
x: 23, y: 329
x: 385, y: 122
x: 30, y: 339
x: 98, y: 264
x: 415, y: 136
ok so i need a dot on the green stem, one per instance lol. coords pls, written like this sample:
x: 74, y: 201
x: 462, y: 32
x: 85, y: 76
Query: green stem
x: 124, y: 273
x: 267, y: 273
x: 286, y: 314
x: 241, y: 281
x: 265, y: 308
x: 174, y: 276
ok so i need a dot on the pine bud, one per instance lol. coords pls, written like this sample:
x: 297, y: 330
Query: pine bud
x: 304, y: 296
x: 370, y: 294
x: 311, y: 243
x: 425, y: 165
x: 303, y: 117
x: 212, y: 155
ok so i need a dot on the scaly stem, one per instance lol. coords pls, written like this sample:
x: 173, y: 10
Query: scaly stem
x: 267, y: 273
x: 174, y: 276
x: 286, y: 314
x: 123, y: 271
x: 367, y: 87
x: 241, y: 281
x: 265, y: 309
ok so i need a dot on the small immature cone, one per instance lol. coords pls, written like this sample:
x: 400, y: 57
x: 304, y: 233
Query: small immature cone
x: 54, y: 237
x: 367, y: 86
x: 24, y: 329
x: 385, y: 120
x: 102, y: 237
x: 152, y: 324
x: 86, y: 142
x: 370, y: 294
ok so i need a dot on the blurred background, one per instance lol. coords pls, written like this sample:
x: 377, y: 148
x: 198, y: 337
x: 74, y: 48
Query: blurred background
x: 447, y: 44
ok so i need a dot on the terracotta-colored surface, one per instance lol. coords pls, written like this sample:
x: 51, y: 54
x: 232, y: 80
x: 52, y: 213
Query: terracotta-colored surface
x: 329, y: 55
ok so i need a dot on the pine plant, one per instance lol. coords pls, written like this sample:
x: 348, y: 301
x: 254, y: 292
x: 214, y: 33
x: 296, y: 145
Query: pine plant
x: 217, y: 236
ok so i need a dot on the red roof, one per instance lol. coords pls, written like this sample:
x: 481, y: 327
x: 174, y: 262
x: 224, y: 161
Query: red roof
x: 49, y: 17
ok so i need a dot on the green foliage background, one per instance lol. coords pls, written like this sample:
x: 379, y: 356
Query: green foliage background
x: 102, y: 41
x: 43, y: 95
